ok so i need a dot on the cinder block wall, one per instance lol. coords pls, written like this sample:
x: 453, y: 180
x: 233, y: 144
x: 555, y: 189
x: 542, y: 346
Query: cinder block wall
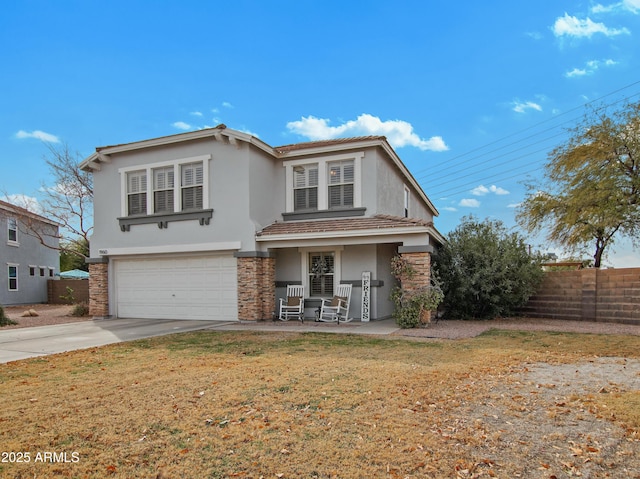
x: 608, y: 295
x: 58, y: 287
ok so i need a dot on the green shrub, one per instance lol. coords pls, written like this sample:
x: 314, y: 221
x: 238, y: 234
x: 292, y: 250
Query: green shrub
x: 80, y: 309
x: 485, y: 270
x: 411, y: 305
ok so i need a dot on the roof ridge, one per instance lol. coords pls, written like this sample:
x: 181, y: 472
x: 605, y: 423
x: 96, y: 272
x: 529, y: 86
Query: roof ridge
x: 332, y: 141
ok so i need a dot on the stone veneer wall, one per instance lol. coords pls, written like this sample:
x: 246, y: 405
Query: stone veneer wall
x: 99, y: 290
x: 421, y: 263
x: 256, y: 288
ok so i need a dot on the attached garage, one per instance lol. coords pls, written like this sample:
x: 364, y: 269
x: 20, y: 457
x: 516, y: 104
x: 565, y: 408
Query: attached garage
x: 200, y: 287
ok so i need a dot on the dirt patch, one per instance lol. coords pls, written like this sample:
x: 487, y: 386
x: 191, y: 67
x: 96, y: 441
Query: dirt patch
x: 48, y: 314
x: 457, y: 329
x: 555, y: 417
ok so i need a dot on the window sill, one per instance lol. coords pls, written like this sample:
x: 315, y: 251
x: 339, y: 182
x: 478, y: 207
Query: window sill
x: 13, y: 243
x: 163, y: 220
x: 320, y: 214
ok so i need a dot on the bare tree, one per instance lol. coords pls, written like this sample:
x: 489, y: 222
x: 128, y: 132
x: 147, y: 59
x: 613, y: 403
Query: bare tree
x: 68, y: 202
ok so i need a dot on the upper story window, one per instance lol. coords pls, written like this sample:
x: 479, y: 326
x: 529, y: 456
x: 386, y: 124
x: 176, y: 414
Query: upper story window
x: 406, y: 202
x: 332, y: 182
x: 305, y: 187
x: 166, y: 188
x: 163, y: 186
x: 192, y: 175
x: 341, y: 179
x: 137, y: 193
x: 12, y: 230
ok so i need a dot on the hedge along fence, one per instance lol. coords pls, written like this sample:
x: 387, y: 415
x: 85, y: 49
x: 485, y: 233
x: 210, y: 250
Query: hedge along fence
x: 57, y: 291
x: 607, y: 295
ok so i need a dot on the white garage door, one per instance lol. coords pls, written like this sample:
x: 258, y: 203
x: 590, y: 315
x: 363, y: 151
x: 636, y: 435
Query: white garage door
x: 194, y: 287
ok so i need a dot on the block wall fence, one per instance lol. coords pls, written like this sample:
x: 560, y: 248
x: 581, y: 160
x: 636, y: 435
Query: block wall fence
x: 606, y: 295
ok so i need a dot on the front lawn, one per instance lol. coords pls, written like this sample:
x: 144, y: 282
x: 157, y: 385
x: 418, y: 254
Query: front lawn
x: 245, y: 404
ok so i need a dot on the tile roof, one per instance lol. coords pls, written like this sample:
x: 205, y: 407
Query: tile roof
x: 321, y: 143
x: 342, y: 224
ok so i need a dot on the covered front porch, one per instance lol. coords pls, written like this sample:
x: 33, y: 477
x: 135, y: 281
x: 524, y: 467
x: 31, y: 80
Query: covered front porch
x: 320, y: 255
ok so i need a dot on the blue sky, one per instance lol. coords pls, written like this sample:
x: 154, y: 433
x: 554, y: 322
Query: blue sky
x: 472, y: 95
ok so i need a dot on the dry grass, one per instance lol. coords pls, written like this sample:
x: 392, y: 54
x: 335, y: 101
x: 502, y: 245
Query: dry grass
x: 245, y: 404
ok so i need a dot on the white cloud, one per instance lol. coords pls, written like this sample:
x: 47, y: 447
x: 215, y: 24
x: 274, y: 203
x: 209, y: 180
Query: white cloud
x: 590, y: 68
x: 196, y: 113
x: 483, y: 190
x: 632, y: 6
x: 27, y: 202
x: 399, y: 133
x: 38, y: 135
x: 523, y: 106
x: 469, y: 203
x: 513, y: 205
x: 181, y: 125
x: 575, y: 27
x: 449, y: 208
x: 226, y: 104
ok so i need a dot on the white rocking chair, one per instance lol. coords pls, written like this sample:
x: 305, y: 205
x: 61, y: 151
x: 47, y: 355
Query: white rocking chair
x: 336, y: 309
x: 293, y: 305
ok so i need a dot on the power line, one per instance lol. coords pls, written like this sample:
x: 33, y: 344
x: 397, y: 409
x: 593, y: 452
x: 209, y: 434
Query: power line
x: 483, y: 156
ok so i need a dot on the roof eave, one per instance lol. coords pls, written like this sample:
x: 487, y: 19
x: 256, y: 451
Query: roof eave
x: 93, y: 162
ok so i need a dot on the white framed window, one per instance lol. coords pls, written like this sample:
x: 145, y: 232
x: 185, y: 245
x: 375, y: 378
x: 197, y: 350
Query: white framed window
x: 324, y: 183
x: 321, y: 270
x: 154, y: 188
x: 192, y: 181
x: 341, y: 179
x: 32, y: 270
x: 407, y: 195
x: 163, y: 186
x: 12, y: 270
x: 305, y: 187
x: 51, y: 272
x: 12, y: 231
x: 136, y: 193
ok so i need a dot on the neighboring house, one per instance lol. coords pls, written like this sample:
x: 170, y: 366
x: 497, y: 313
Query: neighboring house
x: 213, y: 224
x: 26, y: 262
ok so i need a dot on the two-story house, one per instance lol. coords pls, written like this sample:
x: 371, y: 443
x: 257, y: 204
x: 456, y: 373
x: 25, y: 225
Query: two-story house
x: 213, y: 224
x: 29, y: 255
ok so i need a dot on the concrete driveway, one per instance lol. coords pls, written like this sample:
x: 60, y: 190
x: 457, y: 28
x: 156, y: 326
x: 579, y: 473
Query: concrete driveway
x: 23, y: 343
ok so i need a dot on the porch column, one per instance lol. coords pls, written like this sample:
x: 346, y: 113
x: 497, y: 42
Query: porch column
x: 256, y: 285
x: 419, y: 258
x: 98, y: 288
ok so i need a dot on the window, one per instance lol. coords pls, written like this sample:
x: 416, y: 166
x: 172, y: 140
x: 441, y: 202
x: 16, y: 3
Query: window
x: 13, y: 277
x: 137, y: 193
x: 32, y: 270
x: 321, y: 273
x: 51, y: 270
x: 12, y: 230
x: 163, y: 190
x: 192, y: 182
x: 328, y: 183
x: 406, y: 202
x: 341, y: 178
x: 166, y: 187
x: 41, y: 271
x: 305, y: 187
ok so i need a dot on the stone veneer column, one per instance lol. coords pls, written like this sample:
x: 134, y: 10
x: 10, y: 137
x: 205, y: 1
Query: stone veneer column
x: 256, y: 286
x: 419, y: 257
x: 99, y: 289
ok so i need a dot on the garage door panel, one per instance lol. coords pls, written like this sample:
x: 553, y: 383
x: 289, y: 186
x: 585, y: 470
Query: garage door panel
x: 177, y: 288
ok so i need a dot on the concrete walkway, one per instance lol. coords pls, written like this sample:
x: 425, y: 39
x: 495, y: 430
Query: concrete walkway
x: 23, y: 343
